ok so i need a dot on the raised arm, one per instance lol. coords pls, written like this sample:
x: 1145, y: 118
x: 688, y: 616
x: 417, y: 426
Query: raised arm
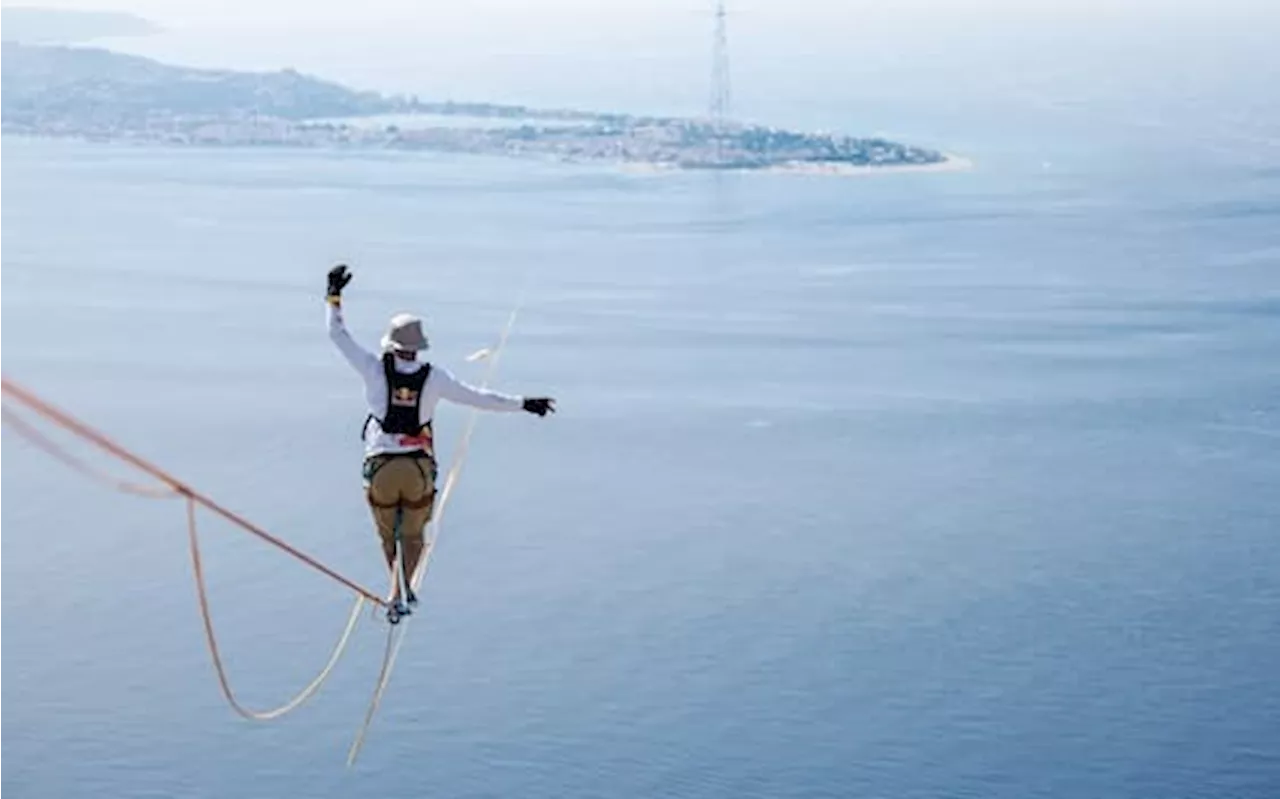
x: 360, y: 359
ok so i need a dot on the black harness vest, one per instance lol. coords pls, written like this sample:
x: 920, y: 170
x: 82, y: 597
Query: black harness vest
x: 404, y: 402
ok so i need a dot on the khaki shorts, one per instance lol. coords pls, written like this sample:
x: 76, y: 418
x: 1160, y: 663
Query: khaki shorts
x: 403, y: 487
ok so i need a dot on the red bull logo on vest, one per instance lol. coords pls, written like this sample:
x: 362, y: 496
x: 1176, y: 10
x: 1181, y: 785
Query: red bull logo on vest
x: 404, y: 397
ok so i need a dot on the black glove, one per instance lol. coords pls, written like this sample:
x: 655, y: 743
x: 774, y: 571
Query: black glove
x: 339, y: 277
x: 540, y: 405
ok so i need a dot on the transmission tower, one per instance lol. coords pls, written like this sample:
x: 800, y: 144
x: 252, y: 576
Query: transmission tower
x: 719, y: 107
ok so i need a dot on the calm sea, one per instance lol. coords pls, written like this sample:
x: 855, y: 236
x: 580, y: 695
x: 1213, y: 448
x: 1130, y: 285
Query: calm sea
x: 896, y: 486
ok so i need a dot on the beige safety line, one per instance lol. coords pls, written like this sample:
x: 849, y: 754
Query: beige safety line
x: 174, y: 488
x: 395, y: 635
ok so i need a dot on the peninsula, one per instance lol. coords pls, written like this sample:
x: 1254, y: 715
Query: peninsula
x: 97, y: 94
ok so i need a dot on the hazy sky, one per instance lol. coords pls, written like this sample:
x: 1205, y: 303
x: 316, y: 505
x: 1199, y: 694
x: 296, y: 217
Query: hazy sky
x: 548, y: 15
x: 1144, y: 59
x: 636, y: 27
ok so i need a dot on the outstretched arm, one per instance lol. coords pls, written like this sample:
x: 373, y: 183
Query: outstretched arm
x: 360, y: 359
x: 454, y: 390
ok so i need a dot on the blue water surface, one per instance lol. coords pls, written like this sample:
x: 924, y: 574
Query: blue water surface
x: 909, y: 485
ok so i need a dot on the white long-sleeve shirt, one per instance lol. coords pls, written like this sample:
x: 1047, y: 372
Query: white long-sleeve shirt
x: 440, y: 384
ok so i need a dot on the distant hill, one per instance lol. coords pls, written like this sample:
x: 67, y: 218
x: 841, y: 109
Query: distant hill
x: 65, y: 26
x: 59, y: 83
x: 90, y: 87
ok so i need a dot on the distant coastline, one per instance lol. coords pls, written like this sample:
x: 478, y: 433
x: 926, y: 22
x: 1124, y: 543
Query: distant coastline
x: 99, y: 95
x: 950, y: 163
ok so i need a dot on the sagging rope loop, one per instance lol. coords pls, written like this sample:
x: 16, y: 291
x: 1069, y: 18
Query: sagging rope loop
x: 197, y: 568
x: 172, y: 488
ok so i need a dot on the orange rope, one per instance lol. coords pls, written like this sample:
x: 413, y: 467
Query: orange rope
x: 174, y: 488
x: 193, y: 498
x: 38, y: 439
x: 82, y: 430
